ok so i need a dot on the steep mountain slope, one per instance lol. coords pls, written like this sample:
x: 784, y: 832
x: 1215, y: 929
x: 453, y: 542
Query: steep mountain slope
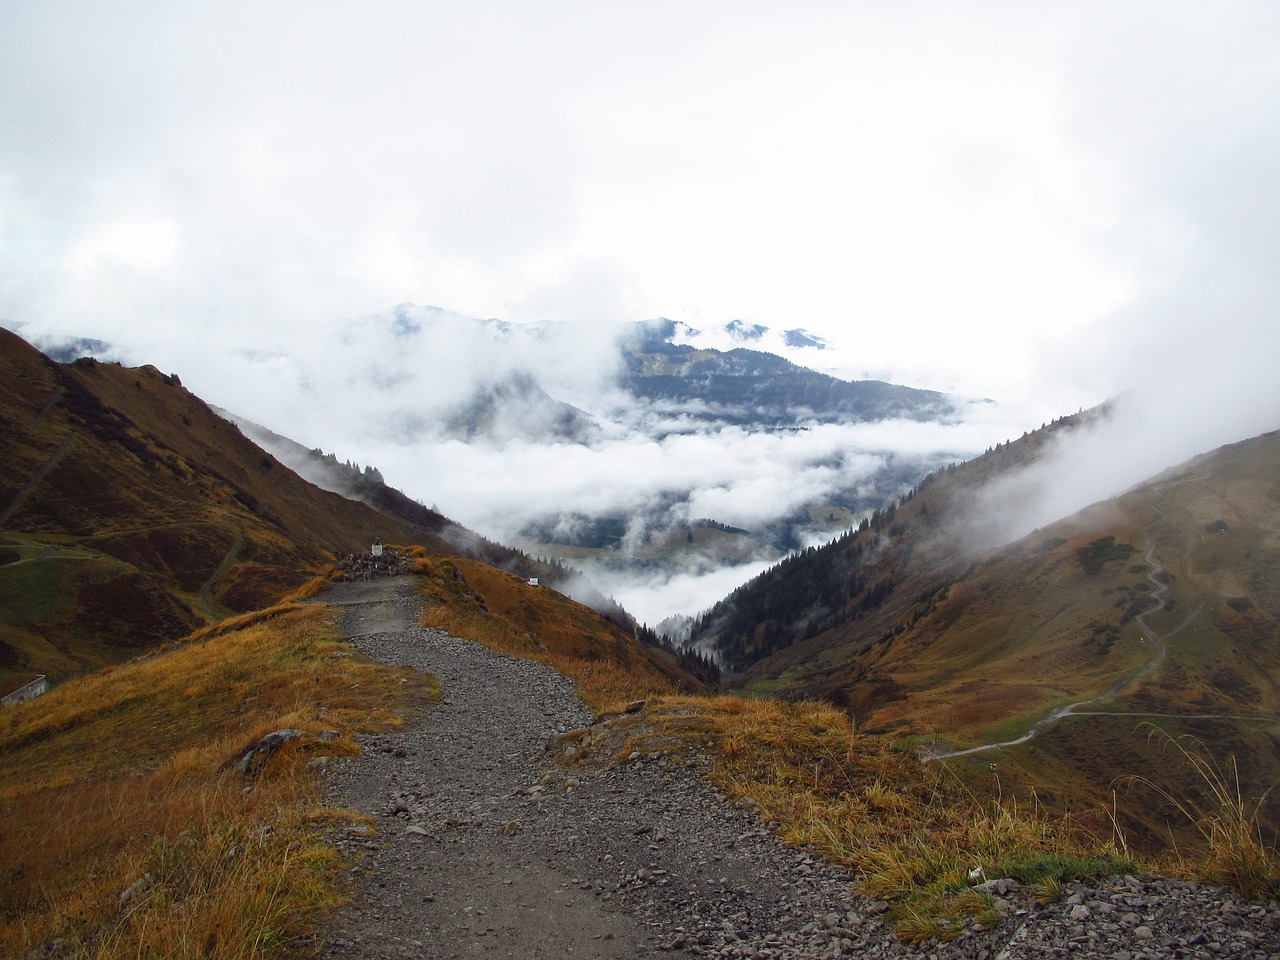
x: 854, y: 590
x: 1162, y: 605
x: 517, y: 408
x: 131, y: 513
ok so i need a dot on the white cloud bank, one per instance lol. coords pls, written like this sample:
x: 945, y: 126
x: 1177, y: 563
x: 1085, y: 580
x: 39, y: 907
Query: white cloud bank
x: 381, y: 389
x: 988, y: 181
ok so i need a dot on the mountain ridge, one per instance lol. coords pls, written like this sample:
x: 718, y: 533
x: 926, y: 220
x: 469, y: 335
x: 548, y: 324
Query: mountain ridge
x: 132, y: 513
x: 949, y: 646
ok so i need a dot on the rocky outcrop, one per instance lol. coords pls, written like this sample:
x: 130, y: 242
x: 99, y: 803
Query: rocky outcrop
x: 367, y: 566
x: 253, y: 759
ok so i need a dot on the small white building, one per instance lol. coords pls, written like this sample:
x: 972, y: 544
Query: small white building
x: 377, y: 548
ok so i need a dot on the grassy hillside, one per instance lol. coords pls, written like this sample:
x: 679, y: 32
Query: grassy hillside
x: 125, y: 827
x: 480, y: 602
x: 919, y: 638
x: 125, y: 830
x: 130, y: 514
x: 1062, y: 606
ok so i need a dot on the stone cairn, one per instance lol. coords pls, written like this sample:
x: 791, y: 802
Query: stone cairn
x: 368, y: 566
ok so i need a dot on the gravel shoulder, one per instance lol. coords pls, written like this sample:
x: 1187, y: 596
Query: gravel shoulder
x: 484, y: 847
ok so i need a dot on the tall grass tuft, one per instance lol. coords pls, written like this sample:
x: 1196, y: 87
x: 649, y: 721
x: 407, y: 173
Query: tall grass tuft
x: 1227, y: 822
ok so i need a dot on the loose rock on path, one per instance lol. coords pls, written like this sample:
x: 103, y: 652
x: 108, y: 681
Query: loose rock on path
x: 484, y: 848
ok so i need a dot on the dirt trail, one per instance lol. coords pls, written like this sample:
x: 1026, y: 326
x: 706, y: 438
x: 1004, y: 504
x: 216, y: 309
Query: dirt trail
x: 483, y: 848
x: 456, y: 885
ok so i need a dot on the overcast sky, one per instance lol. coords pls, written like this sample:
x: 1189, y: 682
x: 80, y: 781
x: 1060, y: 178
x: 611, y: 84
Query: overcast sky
x: 1044, y: 203
x: 958, y: 195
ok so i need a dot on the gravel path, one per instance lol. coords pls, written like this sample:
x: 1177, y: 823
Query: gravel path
x: 484, y: 848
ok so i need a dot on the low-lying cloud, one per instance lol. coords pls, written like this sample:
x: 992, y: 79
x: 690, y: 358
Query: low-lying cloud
x: 1201, y: 375
x: 563, y: 444
x: 399, y: 390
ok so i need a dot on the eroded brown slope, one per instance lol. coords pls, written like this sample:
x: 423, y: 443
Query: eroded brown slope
x: 1055, y: 617
x: 131, y: 513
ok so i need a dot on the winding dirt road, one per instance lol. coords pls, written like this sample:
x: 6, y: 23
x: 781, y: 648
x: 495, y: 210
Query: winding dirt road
x: 483, y: 847
x: 1160, y: 651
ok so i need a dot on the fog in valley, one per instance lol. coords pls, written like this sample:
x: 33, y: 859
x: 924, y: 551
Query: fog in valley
x: 387, y: 390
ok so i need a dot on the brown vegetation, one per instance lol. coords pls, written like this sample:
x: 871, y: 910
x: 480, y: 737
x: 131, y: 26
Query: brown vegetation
x: 478, y: 602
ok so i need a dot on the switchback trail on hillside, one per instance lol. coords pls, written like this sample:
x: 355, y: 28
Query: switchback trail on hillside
x: 1160, y: 586
x: 484, y: 848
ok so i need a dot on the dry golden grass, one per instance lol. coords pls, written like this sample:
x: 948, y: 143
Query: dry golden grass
x: 414, y: 551
x: 1233, y: 851
x: 912, y: 831
x: 308, y: 591
x: 506, y: 614
x: 123, y: 831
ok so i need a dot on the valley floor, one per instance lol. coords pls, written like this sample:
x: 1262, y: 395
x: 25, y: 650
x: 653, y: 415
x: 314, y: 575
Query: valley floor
x: 483, y: 847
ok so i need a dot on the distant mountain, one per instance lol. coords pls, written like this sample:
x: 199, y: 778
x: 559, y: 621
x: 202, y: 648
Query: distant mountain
x: 663, y: 363
x: 735, y: 332
x: 752, y: 389
x: 517, y: 408
x: 1161, y: 605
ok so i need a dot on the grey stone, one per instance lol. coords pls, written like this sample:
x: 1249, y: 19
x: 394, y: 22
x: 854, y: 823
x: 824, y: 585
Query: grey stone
x: 251, y: 760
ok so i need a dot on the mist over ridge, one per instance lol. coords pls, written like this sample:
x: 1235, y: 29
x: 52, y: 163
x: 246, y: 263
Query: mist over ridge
x: 553, y: 433
x: 541, y: 432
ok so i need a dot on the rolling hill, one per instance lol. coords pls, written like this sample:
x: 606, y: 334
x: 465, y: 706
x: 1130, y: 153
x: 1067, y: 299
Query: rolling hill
x: 1159, y: 607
